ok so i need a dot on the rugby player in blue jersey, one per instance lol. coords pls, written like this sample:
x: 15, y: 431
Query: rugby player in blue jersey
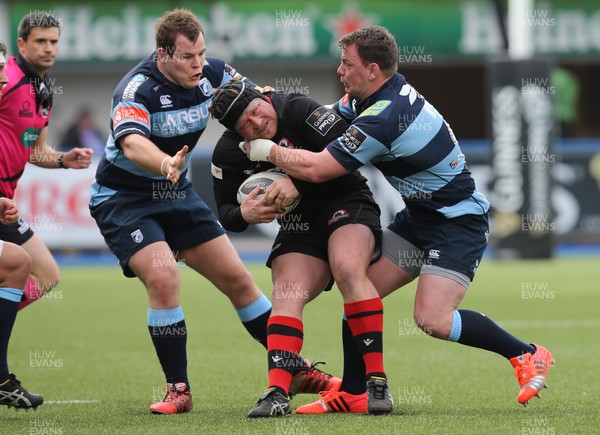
x: 445, y: 222
x: 148, y: 212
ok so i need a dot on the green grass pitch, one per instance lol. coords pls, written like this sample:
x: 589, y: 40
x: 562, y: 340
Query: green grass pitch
x: 86, y: 348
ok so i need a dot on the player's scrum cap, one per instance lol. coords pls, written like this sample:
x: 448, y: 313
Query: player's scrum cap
x: 231, y: 100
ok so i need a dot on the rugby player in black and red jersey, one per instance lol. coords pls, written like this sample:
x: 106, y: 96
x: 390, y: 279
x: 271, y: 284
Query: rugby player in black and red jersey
x: 339, y: 235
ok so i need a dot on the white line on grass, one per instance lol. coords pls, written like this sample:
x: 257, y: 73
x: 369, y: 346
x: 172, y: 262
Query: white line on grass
x: 69, y: 402
x: 550, y: 324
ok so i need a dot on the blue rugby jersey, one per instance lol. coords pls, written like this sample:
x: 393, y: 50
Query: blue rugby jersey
x: 145, y: 102
x: 408, y: 140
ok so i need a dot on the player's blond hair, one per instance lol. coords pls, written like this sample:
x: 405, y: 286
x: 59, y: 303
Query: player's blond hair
x: 3, y: 48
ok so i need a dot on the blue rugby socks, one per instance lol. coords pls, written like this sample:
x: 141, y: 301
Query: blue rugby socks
x: 254, y: 317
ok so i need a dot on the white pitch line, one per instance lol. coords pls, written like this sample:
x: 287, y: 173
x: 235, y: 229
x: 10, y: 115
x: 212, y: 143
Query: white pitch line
x: 68, y: 402
x: 550, y: 324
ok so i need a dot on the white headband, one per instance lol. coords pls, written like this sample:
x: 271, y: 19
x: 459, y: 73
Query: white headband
x: 2, y: 58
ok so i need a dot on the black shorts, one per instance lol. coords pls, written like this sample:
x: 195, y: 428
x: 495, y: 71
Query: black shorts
x: 130, y: 221
x: 17, y: 233
x: 455, y: 244
x: 310, y: 236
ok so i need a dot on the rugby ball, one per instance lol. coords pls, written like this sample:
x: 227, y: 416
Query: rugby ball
x: 263, y: 180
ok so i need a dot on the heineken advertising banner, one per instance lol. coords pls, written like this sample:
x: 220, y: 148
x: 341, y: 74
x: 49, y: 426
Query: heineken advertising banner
x: 427, y: 31
x: 522, y: 130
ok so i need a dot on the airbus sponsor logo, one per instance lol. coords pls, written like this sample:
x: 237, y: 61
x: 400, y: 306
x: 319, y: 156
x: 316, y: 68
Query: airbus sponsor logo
x: 178, y: 122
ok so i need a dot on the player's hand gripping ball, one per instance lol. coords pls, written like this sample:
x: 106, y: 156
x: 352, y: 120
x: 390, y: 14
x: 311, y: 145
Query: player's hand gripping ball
x: 264, y: 180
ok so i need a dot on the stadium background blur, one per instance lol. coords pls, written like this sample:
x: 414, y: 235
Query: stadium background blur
x: 445, y: 52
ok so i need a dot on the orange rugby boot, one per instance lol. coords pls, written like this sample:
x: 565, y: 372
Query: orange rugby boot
x: 336, y: 401
x: 531, y: 371
x: 313, y: 381
x: 177, y: 400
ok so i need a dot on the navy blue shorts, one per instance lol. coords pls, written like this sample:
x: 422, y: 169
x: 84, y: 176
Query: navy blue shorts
x: 455, y: 244
x: 130, y: 221
x: 17, y: 233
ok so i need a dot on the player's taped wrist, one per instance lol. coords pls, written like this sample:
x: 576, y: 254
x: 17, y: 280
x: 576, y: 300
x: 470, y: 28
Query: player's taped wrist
x: 260, y: 149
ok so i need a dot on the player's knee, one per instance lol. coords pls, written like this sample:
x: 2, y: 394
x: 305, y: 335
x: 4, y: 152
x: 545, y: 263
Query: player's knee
x: 162, y: 280
x: 244, y: 283
x: 236, y: 283
x: 16, y: 263
x: 432, y: 323
x: 348, y: 274
x: 46, y: 277
x: 23, y: 268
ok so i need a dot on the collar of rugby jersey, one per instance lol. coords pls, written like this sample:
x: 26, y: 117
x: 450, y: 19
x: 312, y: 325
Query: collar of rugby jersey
x: 42, y: 86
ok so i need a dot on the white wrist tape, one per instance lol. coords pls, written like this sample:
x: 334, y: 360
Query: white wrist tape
x: 260, y: 149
